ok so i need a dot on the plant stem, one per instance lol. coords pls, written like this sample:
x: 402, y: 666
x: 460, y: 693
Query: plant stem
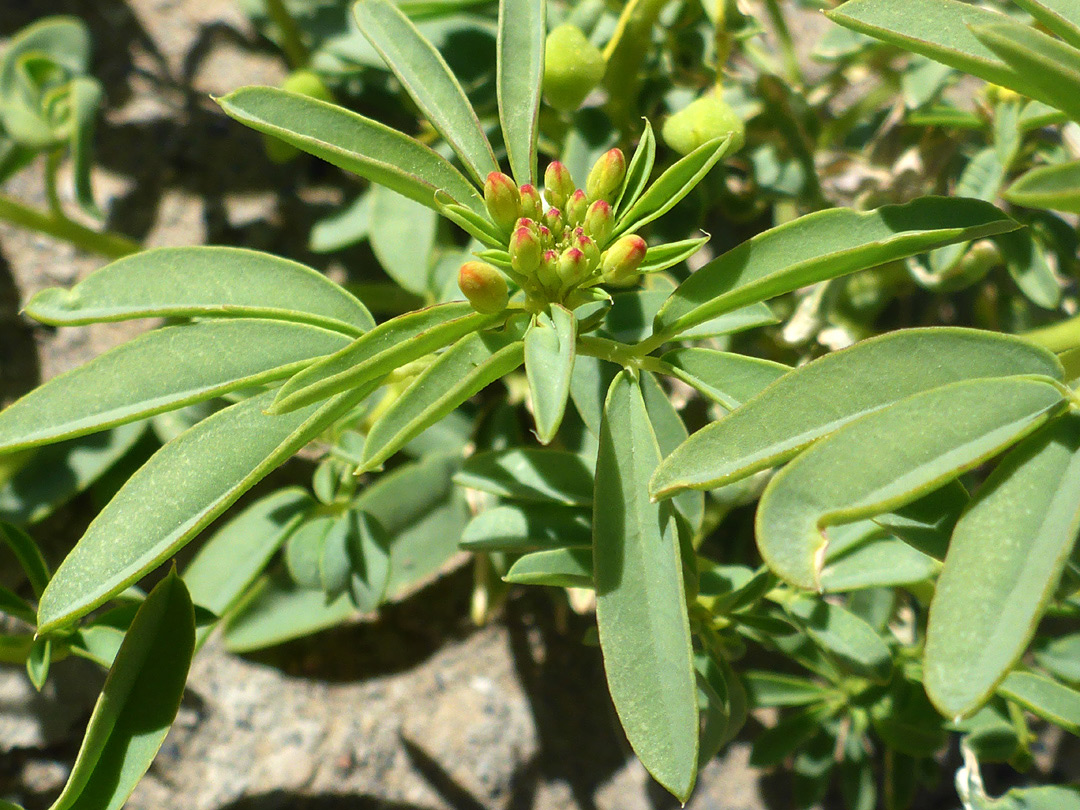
x: 52, y: 166
x: 624, y: 54
x: 56, y: 224
x: 787, y: 44
x: 618, y: 353
x: 291, y: 42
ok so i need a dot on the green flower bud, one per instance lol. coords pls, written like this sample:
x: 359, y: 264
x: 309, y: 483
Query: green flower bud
x: 587, y: 246
x: 547, y: 273
x: 306, y: 83
x: 531, y: 204
x: 525, y: 251
x: 622, y: 260
x: 573, y: 267
x: 503, y: 200
x: 484, y: 287
x: 606, y: 176
x: 576, y: 208
x: 554, y: 221
x: 599, y: 221
x: 573, y: 66
x: 701, y: 121
x: 546, y: 237
x: 558, y: 185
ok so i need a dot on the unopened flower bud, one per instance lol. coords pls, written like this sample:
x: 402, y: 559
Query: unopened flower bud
x: 484, y: 286
x: 576, y: 208
x: 573, y: 267
x: 599, y: 221
x: 531, y: 205
x: 546, y: 237
x: 525, y: 222
x: 589, y: 248
x: 558, y: 185
x: 525, y: 251
x: 622, y: 260
x: 553, y: 219
x: 701, y: 121
x: 606, y: 176
x: 547, y: 273
x: 503, y: 200
x: 573, y: 66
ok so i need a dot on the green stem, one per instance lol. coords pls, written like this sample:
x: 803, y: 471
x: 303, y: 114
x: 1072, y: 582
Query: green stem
x: 624, y: 54
x: 52, y: 167
x: 787, y: 44
x: 105, y: 243
x: 1057, y: 338
x: 296, y: 53
x: 619, y: 353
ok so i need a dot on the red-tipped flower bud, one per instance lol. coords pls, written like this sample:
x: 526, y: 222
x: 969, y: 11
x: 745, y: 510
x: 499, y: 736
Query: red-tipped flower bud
x: 553, y: 219
x: 599, y: 221
x: 576, y: 208
x: 558, y: 185
x: 589, y: 248
x: 606, y: 176
x: 531, y: 205
x: 573, y: 267
x: 546, y: 273
x: 525, y: 251
x: 484, y: 286
x: 622, y: 260
x: 503, y: 200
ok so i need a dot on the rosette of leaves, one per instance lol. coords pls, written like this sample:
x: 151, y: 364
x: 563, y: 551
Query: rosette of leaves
x: 297, y: 359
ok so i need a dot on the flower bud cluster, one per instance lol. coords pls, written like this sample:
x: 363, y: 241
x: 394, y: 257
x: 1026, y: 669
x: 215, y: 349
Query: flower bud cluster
x: 556, y: 250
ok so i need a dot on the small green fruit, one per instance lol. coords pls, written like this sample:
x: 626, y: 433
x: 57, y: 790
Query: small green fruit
x: 306, y: 83
x: 573, y: 66
x: 701, y: 121
x: 484, y: 287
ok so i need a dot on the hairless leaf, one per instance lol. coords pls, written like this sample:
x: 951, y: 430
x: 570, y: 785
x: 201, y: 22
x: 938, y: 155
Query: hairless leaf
x: 641, y: 608
x: 670, y: 432
x: 889, y: 458
x: 352, y: 142
x: 304, y: 549
x: 1047, y: 63
x: 1004, y: 562
x: 821, y: 246
x: 163, y: 370
x: 854, y: 642
x: 777, y: 689
x: 64, y: 39
x: 402, y: 235
x: 28, y: 554
x: 84, y: 98
x: 385, y: 348
x: 529, y: 474
x: 927, y: 524
x: 527, y: 527
x: 661, y: 257
x: 203, y: 282
x: 793, y: 730
x: 638, y: 171
x: 38, y: 660
x: 477, y: 226
x: 588, y: 385
x: 138, y: 702
x: 1047, y: 698
x: 278, y: 611
x: 1061, y: 657
x: 560, y: 567
x: 177, y: 493
x: 465, y: 369
x: 1056, y: 188
x: 1060, y: 16
x: 1027, y: 263
x: 630, y: 319
x: 426, y: 77
x: 730, y: 379
x: 884, y: 562
x: 369, y: 547
x: 522, y: 26
x: 549, y: 362
x: 816, y: 399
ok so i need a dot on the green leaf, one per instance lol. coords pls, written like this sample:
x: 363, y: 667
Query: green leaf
x: 1048, y: 797
x: 163, y: 370
x: 1047, y: 63
x: 1026, y: 262
x: 775, y: 744
x: 529, y: 474
x: 1048, y: 699
x: 1061, y: 656
x: 28, y: 555
x: 477, y: 226
x: 641, y: 607
x: 670, y: 432
x: 520, y: 69
x: 671, y: 186
x: 369, y: 555
x: 14, y: 605
x: 38, y: 660
x: 304, y: 549
x: 352, y: 142
x: 427, y: 79
x: 638, y: 171
x: 630, y: 319
x: 558, y: 567
x: 1060, y: 16
x: 278, y: 611
x: 138, y: 702
x: 463, y: 370
x: 730, y: 379
x: 177, y: 493
x: 777, y: 689
x: 402, y: 235
x: 84, y: 97
x: 851, y: 640
x: 885, y: 562
x: 820, y: 397
x: 661, y: 257
x: 1004, y: 562
x: 889, y: 458
x: 549, y: 362
x: 1056, y: 188
x: 939, y: 29
x: 588, y: 386
x: 524, y: 527
x: 203, y: 282
x: 385, y: 348
x: 824, y: 245
x: 927, y: 524
x: 906, y: 720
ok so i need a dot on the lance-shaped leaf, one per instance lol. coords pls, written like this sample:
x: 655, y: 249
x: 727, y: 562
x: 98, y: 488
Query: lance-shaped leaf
x: 939, y: 29
x: 1027, y: 263
x: 427, y: 79
x: 638, y: 170
x: 549, y: 362
x: 1048, y: 699
x: 889, y: 458
x: 203, y: 282
x: 630, y: 319
x: 671, y: 186
x: 465, y: 369
x: 138, y: 702
x: 777, y: 689
x: 1048, y: 63
x: 163, y: 370
x: 385, y: 348
x: 1060, y: 16
x: 527, y: 527
x: 730, y: 379
x: 402, y: 235
x: 1004, y: 562
x: 640, y: 601
x: 476, y: 225
x: 351, y: 142
x: 880, y: 563
x: 818, y: 398
x: 855, y: 643
x: 670, y: 432
x: 177, y: 493
x: 278, y: 611
x: 669, y: 254
x: 1056, y: 188
x: 558, y: 567
x: 84, y: 98
x: 27, y: 554
x: 530, y: 475
x: 519, y: 71
x: 821, y: 246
